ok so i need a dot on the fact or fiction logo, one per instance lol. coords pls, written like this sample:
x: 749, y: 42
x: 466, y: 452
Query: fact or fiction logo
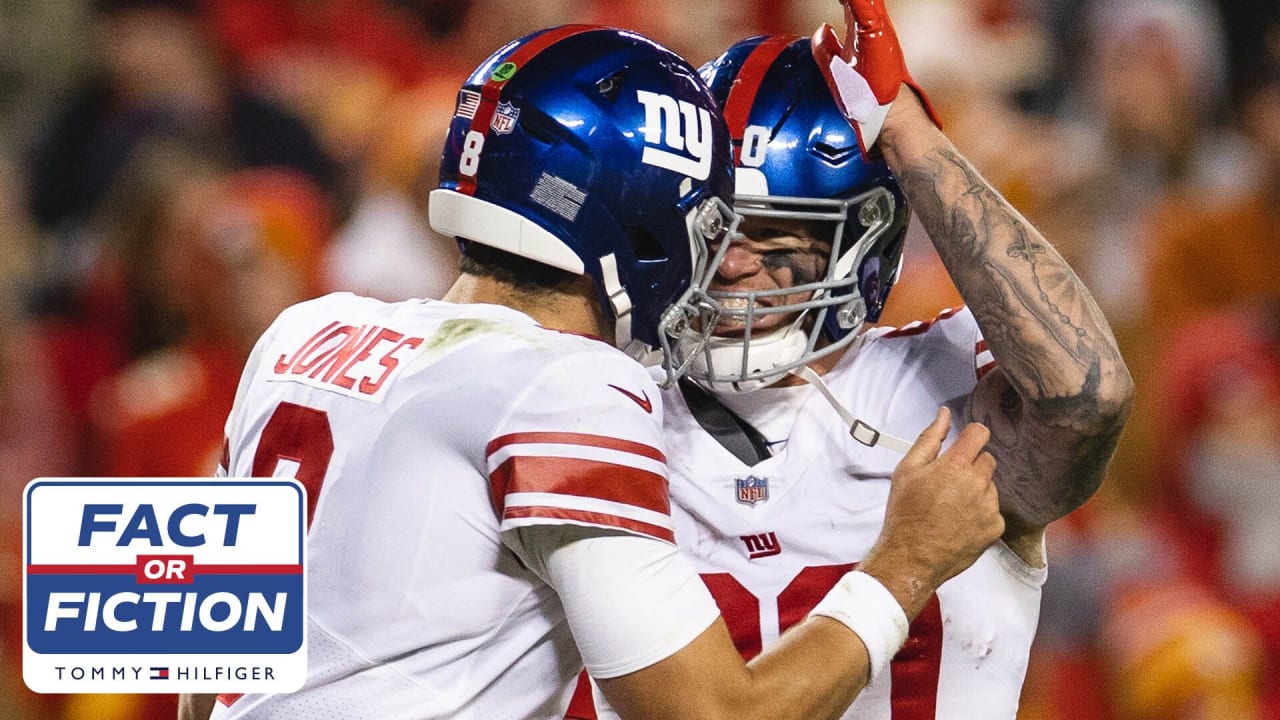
x: 164, y: 585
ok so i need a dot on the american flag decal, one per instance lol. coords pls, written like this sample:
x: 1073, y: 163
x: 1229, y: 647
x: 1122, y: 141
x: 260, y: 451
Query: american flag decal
x: 159, y: 673
x: 468, y: 103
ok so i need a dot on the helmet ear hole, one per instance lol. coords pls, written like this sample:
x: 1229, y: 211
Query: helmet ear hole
x: 644, y: 245
x: 610, y: 85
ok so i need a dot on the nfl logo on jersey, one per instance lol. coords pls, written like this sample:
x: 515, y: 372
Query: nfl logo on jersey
x: 164, y: 585
x: 752, y: 489
x: 504, y: 118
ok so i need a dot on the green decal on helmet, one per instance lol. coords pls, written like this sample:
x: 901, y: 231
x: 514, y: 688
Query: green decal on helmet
x: 503, y: 72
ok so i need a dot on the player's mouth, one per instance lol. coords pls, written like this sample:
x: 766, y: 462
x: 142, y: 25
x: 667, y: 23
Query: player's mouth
x: 733, y: 319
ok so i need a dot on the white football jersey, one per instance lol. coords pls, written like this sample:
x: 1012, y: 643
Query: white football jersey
x: 771, y: 539
x: 423, y: 431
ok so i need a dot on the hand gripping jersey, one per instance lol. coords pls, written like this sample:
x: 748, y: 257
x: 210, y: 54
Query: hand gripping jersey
x: 423, y: 432
x: 771, y: 539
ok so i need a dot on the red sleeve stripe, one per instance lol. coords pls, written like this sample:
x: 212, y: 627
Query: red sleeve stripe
x: 539, y: 515
x: 742, y: 95
x: 579, y: 478
x: 492, y: 89
x: 915, y: 327
x: 588, y: 505
x: 983, y: 361
x: 579, y: 439
x: 598, y: 455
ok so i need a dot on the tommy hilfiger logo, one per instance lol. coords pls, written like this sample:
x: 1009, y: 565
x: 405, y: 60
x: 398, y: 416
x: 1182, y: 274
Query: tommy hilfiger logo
x: 762, y: 545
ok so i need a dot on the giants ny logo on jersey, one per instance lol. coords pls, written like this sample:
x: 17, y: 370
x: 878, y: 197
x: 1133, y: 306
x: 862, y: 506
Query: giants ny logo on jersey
x: 761, y: 545
x: 164, y: 585
x: 678, y: 135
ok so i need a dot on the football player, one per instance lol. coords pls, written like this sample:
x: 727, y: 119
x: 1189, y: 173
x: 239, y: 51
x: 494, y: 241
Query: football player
x: 488, y: 504
x: 770, y: 495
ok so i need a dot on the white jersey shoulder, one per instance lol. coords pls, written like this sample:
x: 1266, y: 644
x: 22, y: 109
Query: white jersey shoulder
x: 772, y: 538
x: 422, y: 431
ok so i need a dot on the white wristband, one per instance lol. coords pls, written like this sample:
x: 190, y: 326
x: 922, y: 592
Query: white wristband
x: 870, y: 610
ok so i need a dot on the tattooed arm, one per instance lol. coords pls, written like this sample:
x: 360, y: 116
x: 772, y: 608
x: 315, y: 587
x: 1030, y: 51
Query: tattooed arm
x: 1056, y: 410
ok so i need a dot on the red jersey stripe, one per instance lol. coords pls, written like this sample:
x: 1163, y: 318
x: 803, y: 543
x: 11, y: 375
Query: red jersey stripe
x: 492, y: 88
x: 568, y: 438
x: 917, y: 666
x: 582, y: 706
x: 742, y: 95
x: 580, y: 478
x: 592, y: 518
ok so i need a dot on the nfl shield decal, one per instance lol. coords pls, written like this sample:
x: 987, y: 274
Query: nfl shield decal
x: 751, y: 489
x: 504, y: 118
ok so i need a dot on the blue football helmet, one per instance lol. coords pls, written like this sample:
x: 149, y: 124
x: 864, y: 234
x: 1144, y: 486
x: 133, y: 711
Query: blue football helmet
x: 798, y: 158
x: 599, y: 152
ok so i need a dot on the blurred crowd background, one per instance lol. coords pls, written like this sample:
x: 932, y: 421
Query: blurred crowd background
x: 174, y: 172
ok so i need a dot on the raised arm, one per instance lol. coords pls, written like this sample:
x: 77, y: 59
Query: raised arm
x: 1063, y: 392
x: 1056, y: 408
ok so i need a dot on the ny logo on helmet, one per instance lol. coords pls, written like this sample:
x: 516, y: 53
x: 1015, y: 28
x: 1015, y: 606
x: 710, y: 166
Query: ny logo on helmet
x: 678, y: 125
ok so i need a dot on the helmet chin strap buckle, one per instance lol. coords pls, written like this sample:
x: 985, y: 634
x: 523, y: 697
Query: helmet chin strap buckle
x: 619, y: 300
x: 858, y: 429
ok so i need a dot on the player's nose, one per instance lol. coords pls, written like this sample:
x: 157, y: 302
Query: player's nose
x: 739, y: 261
